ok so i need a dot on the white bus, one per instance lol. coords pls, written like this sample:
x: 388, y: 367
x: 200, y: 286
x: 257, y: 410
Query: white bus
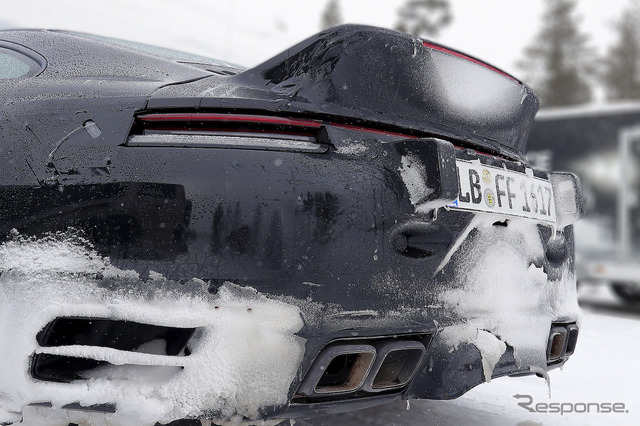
x: 601, y: 144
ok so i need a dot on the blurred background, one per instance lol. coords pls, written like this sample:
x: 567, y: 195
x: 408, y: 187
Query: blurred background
x: 582, y: 58
x: 505, y: 33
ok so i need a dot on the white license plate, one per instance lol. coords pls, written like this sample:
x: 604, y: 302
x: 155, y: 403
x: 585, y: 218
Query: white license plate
x: 500, y: 191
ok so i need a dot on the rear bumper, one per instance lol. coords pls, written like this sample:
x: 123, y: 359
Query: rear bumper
x: 239, y: 352
x: 257, y: 273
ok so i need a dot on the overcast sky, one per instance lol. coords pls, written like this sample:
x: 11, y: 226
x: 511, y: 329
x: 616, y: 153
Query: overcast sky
x: 249, y: 31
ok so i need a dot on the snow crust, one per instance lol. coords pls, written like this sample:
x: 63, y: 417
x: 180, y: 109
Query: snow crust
x: 503, y: 294
x: 353, y: 148
x: 492, y: 349
x: 414, y: 176
x: 244, y: 354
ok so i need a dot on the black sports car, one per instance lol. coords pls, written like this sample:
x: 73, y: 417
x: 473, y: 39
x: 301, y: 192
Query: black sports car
x: 346, y: 224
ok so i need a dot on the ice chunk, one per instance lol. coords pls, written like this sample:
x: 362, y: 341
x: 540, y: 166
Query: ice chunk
x: 491, y: 349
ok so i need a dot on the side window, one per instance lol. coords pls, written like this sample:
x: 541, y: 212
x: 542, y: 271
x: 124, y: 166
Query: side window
x: 15, y: 65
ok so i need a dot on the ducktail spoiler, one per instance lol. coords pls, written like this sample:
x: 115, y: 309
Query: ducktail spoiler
x: 367, y: 75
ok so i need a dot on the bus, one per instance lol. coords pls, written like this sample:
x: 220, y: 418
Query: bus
x: 601, y: 144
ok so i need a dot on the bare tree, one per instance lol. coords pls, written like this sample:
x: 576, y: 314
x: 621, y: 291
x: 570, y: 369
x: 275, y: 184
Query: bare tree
x: 621, y: 75
x: 424, y: 18
x: 331, y: 15
x: 559, y: 61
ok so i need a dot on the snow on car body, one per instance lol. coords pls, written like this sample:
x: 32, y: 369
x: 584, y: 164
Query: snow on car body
x: 348, y: 223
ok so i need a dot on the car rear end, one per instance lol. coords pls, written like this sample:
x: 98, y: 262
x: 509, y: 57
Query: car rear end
x: 417, y: 224
x: 371, y: 182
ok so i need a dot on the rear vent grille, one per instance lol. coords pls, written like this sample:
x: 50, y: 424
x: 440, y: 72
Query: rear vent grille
x: 99, y: 408
x: 82, y: 348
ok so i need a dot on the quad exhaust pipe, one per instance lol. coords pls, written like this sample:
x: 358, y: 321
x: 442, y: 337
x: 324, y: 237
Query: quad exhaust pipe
x: 344, y: 368
x: 340, y: 368
x: 562, y: 341
x: 395, y: 365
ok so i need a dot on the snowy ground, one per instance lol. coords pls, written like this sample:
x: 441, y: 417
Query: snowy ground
x: 603, y: 370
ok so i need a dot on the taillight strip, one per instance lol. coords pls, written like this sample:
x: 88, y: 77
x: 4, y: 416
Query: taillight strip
x: 236, y: 118
x: 281, y: 121
x: 220, y: 141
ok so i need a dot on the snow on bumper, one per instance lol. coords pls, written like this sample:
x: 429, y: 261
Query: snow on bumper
x: 243, y: 356
x: 487, y: 312
x: 505, y: 295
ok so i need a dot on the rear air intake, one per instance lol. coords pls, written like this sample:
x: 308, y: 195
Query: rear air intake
x: 81, y: 348
x: 115, y: 334
x: 76, y: 406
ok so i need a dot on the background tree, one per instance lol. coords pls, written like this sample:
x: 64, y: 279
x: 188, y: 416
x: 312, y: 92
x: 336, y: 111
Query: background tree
x: 621, y: 75
x: 424, y: 18
x: 331, y: 15
x: 559, y: 62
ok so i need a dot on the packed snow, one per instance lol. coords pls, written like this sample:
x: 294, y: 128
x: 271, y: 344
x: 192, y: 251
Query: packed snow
x: 244, y: 354
x: 506, y: 298
x: 414, y: 176
x: 352, y: 148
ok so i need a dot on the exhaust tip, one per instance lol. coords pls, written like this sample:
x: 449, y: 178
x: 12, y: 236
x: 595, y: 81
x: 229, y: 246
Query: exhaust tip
x: 572, y: 339
x: 395, y: 365
x: 562, y: 342
x: 349, y: 368
x: 340, y: 368
x: 557, y: 343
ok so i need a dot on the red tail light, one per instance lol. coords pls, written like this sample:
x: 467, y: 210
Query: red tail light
x: 230, y: 118
x: 192, y: 123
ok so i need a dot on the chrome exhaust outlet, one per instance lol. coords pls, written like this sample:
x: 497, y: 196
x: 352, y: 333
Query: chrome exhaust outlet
x: 572, y: 339
x: 339, y: 369
x: 556, y: 344
x: 395, y: 365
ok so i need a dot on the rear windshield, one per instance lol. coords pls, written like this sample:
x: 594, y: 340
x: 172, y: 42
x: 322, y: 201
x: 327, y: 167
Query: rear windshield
x: 175, y: 55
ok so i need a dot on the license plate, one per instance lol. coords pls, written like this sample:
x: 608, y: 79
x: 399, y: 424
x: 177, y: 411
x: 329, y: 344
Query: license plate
x: 493, y: 190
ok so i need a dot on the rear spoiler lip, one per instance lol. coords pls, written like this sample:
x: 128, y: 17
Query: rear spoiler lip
x: 358, y: 74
